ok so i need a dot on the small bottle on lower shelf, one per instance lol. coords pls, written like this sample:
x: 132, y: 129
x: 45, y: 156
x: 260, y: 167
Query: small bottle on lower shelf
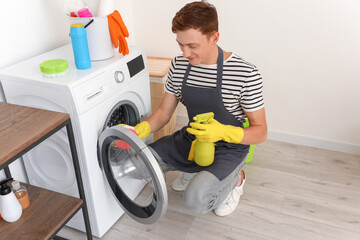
x: 10, y: 207
x: 21, y: 194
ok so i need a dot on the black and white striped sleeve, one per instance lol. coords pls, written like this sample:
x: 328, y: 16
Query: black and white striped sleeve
x: 169, y: 86
x: 252, y: 92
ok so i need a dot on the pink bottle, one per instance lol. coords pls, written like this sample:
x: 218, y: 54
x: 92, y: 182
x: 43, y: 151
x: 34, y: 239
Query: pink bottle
x: 84, y: 13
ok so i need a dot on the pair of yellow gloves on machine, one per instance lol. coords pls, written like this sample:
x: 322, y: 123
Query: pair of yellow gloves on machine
x: 211, y: 132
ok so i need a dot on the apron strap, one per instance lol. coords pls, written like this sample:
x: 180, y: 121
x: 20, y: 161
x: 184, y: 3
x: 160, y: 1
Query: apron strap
x: 186, y: 75
x: 219, y: 74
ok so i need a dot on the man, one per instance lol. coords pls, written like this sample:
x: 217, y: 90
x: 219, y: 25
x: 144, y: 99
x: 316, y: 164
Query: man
x: 208, y: 79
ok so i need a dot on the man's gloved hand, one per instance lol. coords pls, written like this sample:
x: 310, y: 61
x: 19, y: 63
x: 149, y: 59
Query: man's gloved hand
x: 143, y: 129
x: 215, y: 131
x: 118, y: 32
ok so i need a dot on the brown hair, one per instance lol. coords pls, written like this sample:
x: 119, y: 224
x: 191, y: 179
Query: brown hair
x: 201, y: 16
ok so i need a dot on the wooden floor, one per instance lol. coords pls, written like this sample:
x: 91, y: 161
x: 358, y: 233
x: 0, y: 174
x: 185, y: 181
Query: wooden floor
x: 291, y: 192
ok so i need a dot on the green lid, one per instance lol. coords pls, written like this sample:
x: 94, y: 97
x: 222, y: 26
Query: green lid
x: 54, y: 66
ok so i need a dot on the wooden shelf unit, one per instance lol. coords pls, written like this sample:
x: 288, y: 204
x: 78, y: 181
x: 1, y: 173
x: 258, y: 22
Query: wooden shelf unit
x: 21, y: 129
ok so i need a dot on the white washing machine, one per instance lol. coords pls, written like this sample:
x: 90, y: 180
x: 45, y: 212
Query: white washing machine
x: 112, y: 91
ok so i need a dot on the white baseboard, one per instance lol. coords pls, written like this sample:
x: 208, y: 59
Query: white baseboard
x: 314, y: 142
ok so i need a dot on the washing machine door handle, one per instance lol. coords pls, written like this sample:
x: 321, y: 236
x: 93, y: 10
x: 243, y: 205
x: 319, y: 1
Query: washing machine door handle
x: 133, y: 174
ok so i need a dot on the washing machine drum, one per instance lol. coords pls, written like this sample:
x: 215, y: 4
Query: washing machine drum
x: 126, y: 162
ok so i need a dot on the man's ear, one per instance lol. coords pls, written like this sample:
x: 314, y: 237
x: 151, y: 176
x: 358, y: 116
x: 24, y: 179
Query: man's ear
x: 214, y: 38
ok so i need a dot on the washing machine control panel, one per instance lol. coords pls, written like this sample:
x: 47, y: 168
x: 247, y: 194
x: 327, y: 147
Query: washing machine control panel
x: 136, y: 65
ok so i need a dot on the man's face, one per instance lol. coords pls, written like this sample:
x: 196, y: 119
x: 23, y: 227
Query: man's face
x: 197, y: 47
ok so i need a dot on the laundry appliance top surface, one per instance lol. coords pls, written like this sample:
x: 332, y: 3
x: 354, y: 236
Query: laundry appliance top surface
x: 77, y: 91
x: 30, y: 69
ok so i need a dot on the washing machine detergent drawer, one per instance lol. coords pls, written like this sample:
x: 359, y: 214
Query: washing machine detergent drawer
x: 125, y: 160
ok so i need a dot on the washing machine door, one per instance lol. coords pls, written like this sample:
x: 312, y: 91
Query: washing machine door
x: 130, y: 167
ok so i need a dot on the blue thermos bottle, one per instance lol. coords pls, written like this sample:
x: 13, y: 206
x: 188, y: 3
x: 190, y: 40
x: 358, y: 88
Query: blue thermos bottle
x: 80, y: 46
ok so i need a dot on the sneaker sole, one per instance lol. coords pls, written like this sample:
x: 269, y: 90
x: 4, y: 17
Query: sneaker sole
x: 178, y: 189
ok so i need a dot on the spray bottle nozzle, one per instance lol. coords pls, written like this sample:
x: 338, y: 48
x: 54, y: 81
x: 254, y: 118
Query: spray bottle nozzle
x: 203, y: 117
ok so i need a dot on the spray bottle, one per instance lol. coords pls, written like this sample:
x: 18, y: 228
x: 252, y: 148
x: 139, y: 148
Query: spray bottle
x: 10, y: 207
x: 204, y: 151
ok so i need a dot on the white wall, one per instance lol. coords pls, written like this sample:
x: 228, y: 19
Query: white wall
x: 308, y: 52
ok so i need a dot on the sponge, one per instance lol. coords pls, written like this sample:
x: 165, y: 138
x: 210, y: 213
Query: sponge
x: 121, y: 143
x: 54, y: 67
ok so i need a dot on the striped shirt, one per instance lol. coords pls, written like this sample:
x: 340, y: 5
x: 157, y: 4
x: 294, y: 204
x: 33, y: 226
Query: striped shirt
x: 241, y: 85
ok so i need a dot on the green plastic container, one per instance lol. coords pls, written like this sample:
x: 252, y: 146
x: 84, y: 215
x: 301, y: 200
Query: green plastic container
x: 250, y: 155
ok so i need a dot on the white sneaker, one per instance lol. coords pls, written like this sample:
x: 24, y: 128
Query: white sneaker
x: 232, y: 200
x: 182, y: 181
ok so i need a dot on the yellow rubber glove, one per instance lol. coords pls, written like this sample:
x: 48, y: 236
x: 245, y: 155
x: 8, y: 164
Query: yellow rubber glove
x: 143, y: 129
x: 191, y: 156
x: 215, y: 131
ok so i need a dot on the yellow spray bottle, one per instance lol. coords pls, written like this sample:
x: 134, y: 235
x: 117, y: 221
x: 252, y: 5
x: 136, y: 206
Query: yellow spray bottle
x: 204, y: 151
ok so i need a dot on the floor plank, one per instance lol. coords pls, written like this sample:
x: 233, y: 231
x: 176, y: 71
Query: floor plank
x: 280, y: 226
x: 304, y: 186
x: 317, y: 164
x: 322, y: 211
x: 209, y: 230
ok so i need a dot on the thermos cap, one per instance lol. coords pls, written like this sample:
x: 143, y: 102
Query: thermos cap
x: 77, y: 25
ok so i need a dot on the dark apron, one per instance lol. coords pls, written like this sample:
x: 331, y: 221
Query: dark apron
x: 174, y: 149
